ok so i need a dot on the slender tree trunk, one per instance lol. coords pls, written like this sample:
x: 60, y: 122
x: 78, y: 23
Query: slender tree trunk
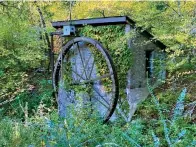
x: 42, y: 20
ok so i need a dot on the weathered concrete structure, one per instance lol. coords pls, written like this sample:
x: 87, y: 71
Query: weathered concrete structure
x: 145, y: 55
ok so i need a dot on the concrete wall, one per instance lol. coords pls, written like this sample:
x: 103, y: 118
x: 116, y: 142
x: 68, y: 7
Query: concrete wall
x: 138, y: 46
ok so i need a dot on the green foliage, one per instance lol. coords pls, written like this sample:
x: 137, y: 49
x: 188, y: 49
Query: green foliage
x: 23, y: 49
x: 39, y: 91
x: 15, y: 134
x: 114, y: 39
x: 173, y: 132
x: 47, y: 129
x: 20, y: 46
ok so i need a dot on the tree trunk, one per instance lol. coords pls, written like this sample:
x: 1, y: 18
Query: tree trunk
x: 42, y: 20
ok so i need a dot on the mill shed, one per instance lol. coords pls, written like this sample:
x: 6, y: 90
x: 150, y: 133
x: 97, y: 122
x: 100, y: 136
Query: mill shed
x: 147, y: 53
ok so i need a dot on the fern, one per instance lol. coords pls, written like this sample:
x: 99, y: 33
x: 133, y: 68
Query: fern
x: 180, y: 135
x: 179, y: 108
x: 130, y: 140
x: 178, y: 113
x: 156, y: 140
x: 155, y: 100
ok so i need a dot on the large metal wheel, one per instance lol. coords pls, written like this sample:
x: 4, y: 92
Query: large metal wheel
x: 85, y: 68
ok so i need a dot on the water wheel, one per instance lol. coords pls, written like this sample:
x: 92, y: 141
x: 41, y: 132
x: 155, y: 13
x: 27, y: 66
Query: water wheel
x: 85, y: 69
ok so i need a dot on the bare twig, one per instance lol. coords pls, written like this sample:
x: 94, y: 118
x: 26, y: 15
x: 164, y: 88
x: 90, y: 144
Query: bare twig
x: 13, y: 98
x: 8, y: 101
x: 166, y: 3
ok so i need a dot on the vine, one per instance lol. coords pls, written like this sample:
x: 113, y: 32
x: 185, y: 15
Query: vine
x: 114, y: 39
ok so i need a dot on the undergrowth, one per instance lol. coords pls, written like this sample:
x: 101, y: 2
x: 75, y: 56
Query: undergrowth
x: 47, y: 129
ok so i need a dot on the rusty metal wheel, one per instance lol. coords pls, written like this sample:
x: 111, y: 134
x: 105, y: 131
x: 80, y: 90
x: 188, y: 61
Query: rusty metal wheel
x: 85, y: 69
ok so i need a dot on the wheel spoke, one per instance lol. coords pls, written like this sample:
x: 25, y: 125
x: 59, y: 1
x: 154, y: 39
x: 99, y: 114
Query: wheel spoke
x: 91, y: 69
x: 81, y: 58
x: 76, y: 64
x: 91, y: 80
x: 106, y: 104
x: 86, y: 64
x: 102, y: 103
x: 78, y: 75
x: 101, y: 96
x: 104, y: 76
